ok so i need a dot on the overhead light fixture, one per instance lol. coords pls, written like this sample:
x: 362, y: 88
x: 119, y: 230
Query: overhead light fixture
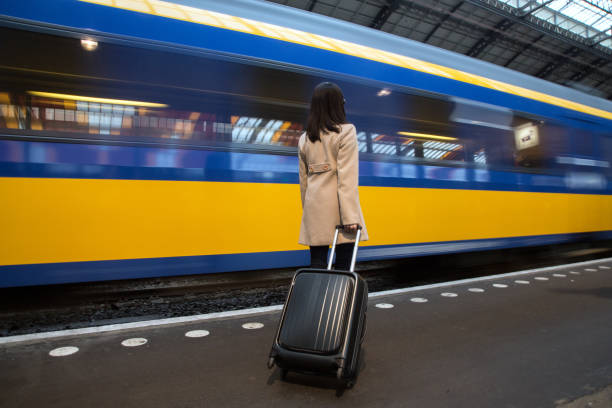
x: 426, y: 136
x: 97, y: 100
x: 384, y: 92
x: 89, y: 44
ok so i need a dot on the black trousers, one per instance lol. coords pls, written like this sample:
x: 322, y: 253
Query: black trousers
x: 344, y: 252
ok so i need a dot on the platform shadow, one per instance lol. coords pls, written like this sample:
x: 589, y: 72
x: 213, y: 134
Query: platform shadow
x: 605, y: 292
x: 317, y: 381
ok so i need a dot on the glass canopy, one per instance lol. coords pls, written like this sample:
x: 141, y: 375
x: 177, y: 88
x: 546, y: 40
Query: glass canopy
x: 591, y: 19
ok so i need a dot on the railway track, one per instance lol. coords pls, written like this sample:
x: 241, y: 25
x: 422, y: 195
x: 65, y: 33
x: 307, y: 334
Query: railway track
x: 46, y: 308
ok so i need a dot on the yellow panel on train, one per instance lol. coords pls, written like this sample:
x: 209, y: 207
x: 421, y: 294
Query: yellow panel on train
x: 68, y: 220
x: 411, y: 215
x: 64, y: 220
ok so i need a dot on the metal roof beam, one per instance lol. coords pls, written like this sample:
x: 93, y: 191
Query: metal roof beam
x: 525, y: 48
x: 436, y: 10
x: 602, y: 82
x: 542, y: 26
x: 527, y: 10
x: 599, y: 4
x: 580, y: 75
x: 503, y: 25
x: 384, y: 13
x: 527, y: 5
x: 489, y: 38
x: 597, y: 38
x: 442, y: 21
x: 556, y: 63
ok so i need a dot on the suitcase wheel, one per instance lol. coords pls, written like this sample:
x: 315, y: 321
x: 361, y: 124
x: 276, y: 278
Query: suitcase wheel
x: 271, y: 362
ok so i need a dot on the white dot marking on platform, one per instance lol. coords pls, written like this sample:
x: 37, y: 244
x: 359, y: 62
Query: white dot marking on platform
x: 522, y: 282
x: 540, y: 278
x: 476, y: 290
x: 252, y: 326
x: 590, y: 270
x: 559, y: 275
x: 575, y: 273
x: 134, y: 342
x: 500, y: 285
x: 418, y: 300
x: 197, y: 333
x: 63, y: 351
x: 384, y: 305
x: 448, y: 294
x: 603, y: 267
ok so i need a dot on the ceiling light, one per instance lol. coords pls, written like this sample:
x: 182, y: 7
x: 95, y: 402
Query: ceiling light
x: 426, y: 136
x: 97, y: 100
x: 88, y: 44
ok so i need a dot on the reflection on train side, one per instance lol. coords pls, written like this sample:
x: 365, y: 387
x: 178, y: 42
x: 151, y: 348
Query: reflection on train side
x: 133, y: 121
x: 265, y: 131
x: 419, y: 147
x: 103, y: 119
x: 499, y: 139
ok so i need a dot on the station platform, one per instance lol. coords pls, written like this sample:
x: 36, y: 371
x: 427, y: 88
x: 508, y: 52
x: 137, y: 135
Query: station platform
x: 539, y: 338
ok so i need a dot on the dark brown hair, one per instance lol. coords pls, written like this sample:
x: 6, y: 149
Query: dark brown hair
x: 326, y: 110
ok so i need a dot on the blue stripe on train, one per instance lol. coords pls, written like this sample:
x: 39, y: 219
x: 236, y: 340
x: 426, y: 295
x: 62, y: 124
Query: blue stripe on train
x: 66, y: 160
x: 86, y: 16
x: 69, y: 272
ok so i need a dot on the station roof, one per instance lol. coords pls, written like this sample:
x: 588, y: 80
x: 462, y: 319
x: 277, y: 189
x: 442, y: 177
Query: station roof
x: 564, y: 41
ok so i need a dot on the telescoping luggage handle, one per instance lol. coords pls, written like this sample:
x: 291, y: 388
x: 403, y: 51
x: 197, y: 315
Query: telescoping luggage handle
x: 333, y: 250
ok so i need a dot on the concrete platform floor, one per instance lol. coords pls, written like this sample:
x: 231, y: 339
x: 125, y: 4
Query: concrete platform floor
x: 510, y: 341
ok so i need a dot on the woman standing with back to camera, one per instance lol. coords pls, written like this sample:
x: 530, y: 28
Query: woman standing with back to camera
x: 329, y: 177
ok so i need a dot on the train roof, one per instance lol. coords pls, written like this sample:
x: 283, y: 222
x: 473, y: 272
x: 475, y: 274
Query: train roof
x: 330, y: 27
x: 434, y: 69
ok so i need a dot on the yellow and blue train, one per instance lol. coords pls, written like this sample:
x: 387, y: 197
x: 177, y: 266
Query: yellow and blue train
x: 143, y: 138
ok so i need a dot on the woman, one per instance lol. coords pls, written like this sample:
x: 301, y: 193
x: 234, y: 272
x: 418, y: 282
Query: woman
x: 329, y: 176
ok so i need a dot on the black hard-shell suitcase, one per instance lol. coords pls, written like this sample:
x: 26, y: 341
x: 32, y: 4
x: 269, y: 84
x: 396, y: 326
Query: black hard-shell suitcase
x: 323, y: 322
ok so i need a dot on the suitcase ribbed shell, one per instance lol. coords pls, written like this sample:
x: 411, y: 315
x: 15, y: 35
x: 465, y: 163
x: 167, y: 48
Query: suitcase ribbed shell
x: 317, y: 312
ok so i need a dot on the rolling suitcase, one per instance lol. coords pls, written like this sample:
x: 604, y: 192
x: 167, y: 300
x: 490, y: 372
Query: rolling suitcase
x: 323, y: 322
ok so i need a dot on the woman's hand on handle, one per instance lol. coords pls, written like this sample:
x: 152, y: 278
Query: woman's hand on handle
x: 352, y: 228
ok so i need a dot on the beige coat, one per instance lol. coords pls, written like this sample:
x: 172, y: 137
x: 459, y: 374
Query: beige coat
x: 329, y: 176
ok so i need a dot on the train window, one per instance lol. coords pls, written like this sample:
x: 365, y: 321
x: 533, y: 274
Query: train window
x: 53, y: 113
x: 151, y: 96
x: 606, y: 154
x: 264, y: 131
x: 480, y: 156
x: 583, y: 143
x: 540, y: 144
x: 415, y: 146
x: 171, y: 97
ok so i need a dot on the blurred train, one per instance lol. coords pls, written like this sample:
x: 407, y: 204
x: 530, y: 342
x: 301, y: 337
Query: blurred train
x: 147, y: 138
